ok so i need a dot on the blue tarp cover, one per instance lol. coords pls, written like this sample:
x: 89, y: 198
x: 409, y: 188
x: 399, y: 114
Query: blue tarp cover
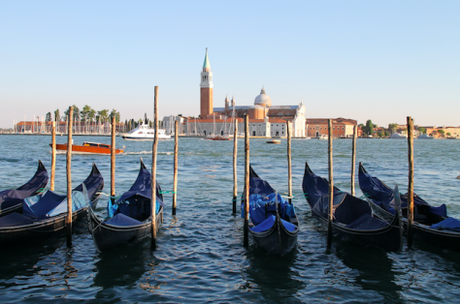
x: 262, y: 205
x: 269, y: 222
x: 49, y: 204
x: 136, y: 201
x: 14, y: 219
x: 122, y: 220
x: 13, y: 197
x: 449, y: 223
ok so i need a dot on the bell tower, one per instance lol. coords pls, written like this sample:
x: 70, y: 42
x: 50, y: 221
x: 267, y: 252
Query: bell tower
x: 206, y: 88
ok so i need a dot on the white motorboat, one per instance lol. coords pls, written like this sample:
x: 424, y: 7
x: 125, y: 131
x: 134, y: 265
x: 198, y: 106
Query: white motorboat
x: 144, y: 132
x: 398, y: 136
x: 424, y: 136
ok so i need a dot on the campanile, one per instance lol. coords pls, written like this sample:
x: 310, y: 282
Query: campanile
x: 206, y: 88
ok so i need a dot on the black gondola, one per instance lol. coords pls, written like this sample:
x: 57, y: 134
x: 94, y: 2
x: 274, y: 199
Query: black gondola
x: 12, y: 199
x: 353, y: 220
x: 273, y: 222
x: 129, y: 218
x: 44, y: 215
x: 431, y: 224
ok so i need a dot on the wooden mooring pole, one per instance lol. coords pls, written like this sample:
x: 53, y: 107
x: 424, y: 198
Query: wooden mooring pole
x: 288, y: 128
x: 112, y: 162
x: 235, y: 177
x: 246, y: 180
x: 353, y: 160
x: 154, y: 171
x: 176, y: 166
x: 69, y: 177
x: 53, y: 156
x: 410, y: 191
x: 331, y: 186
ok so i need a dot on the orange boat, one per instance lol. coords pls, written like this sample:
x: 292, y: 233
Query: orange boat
x: 89, y: 148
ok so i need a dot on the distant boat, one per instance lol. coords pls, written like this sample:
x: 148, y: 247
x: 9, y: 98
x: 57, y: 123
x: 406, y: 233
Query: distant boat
x: 398, y: 136
x: 89, y: 148
x: 218, y: 137
x: 144, y: 132
x: 322, y: 136
x: 424, y: 136
x: 274, y: 141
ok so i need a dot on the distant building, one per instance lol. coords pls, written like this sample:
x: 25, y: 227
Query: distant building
x: 341, y: 127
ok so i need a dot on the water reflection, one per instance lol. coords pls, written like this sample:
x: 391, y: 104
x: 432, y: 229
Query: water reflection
x: 374, y: 269
x: 274, y: 277
x: 121, y: 267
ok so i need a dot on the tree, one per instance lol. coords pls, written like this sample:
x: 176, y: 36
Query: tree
x: 115, y: 114
x: 48, y: 117
x: 103, y: 115
x: 422, y: 130
x: 392, y: 127
x: 442, y: 132
x: 369, y: 127
x: 76, y: 113
x: 57, y: 115
x: 87, y: 114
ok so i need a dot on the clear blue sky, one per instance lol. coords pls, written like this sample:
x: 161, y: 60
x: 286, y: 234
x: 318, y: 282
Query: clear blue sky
x: 379, y: 60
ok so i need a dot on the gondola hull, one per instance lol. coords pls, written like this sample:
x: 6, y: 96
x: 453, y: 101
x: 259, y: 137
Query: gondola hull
x: 271, y: 236
x: 19, y: 229
x: 38, y: 231
x: 107, y: 237
x: 11, y: 200
x: 277, y: 240
x: 387, y: 237
x: 445, y: 239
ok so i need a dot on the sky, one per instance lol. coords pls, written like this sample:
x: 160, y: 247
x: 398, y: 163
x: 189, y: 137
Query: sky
x: 378, y: 60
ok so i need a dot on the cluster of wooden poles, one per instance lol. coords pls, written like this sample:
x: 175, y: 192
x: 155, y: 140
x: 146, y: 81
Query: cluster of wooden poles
x: 410, y: 217
x: 410, y: 128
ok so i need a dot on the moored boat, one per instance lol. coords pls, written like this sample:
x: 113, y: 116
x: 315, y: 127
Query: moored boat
x: 44, y: 215
x: 274, y: 141
x: 273, y: 225
x: 353, y: 220
x: 89, y: 148
x: 144, y: 132
x: 431, y: 224
x: 12, y: 199
x: 129, y: 218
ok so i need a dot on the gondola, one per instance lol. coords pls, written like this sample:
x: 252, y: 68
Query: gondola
x: 12, y: 199
x: 129, y: 218
x: 273, y: 222
x: 44, y: 215
x: 353, y: 220
x: 431, y: 224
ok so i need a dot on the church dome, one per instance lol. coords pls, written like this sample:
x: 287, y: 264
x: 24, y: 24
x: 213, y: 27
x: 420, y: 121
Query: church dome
x: 263, y: 99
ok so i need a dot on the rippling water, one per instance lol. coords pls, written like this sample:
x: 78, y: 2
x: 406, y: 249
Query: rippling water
x: 200, y: 257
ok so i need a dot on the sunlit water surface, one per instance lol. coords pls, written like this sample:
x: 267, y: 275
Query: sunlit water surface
x: 200, y: 255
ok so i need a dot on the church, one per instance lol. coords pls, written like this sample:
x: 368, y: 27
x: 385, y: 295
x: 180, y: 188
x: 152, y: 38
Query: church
x: 265, y: 119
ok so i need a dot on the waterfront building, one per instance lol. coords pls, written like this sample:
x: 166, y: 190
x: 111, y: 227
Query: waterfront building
x: 341, y: 127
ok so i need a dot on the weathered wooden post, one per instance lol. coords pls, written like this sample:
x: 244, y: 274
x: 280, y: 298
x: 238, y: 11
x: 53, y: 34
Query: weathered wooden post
x: 235, y: 152
x: 288, y: 128
x: 353, y: 160
x: 410, y: 192
x: 53, y: 156
x: 331, y: 185
x: 246, y: 180
x: 154, y: 171
x: 176, y: 166
x: 112, y: 162
x: 69, y: 177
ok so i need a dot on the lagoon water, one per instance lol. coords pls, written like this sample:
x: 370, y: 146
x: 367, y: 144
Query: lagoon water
x: 200, y: 255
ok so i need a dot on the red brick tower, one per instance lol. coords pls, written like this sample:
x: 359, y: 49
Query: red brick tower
x: 206, y: 88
